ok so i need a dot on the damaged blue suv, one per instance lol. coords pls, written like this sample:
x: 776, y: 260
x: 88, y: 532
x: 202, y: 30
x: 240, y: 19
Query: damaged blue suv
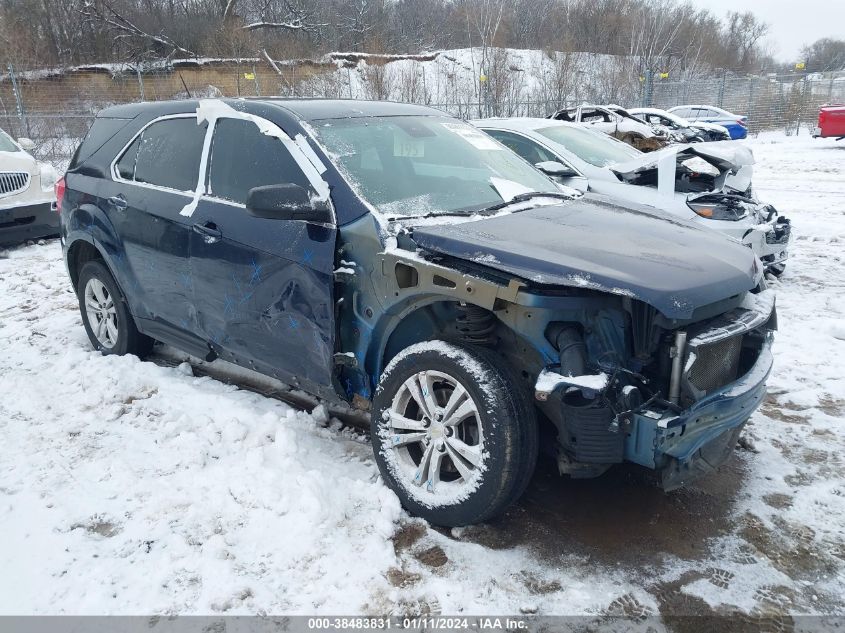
x: 403, y: 261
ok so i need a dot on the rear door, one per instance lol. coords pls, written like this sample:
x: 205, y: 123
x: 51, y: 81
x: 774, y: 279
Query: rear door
x: 153, y: 179
x: 262, y: 288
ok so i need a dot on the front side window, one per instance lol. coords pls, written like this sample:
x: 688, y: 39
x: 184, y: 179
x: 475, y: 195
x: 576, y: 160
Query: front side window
x: 415, y: 165
x: 242, y: 158
x: 166, y: 154
x: 599, y: 150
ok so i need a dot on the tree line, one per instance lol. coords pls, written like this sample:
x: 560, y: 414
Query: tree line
x: 665, y: 35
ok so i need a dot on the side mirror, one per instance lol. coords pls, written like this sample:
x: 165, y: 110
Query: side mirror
x: 286, y: 202
x: 556, y: 169
x: 27, y: 144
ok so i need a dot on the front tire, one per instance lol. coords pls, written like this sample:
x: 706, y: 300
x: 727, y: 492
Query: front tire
x: 105, y: 315
x: 453, y: 432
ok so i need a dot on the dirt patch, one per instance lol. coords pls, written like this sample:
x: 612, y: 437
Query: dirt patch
x: 402, y: 578
x: 790, y: 547
x: 539, y: 587
x: 99, y: 526
x: 832, y: 406
x: 407, y: 535
x: 799, y: 478
x: 673, y: 602
x: 776, y: 411
x: 433, y: 556
x: 778, y: 500
x: 627, y: 606
x: 618, y: 518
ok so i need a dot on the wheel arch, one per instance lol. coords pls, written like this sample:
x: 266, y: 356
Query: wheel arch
x: 79, y: 252
x: 435, y: 317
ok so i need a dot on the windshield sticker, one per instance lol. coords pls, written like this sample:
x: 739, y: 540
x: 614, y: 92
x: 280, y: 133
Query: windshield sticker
x: 405, y: 146
x: 474, y: 136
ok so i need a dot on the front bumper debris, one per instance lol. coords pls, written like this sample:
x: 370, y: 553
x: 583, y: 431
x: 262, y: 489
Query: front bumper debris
x: 684, y: 445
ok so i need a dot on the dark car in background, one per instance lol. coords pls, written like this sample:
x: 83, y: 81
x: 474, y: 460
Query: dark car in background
x: 405, y: 262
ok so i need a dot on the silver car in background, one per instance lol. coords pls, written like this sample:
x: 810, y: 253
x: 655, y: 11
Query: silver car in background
x: 709, y: 183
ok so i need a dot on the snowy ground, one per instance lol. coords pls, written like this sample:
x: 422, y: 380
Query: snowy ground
x: 133, y: 487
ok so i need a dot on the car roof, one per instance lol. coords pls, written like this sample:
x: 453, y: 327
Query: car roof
x: 523, y: 123
x: 307, y: 109
x: 314, y: 109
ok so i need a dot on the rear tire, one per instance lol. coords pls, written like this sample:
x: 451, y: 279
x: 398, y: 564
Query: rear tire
x: 776, y: 269
x: 105, y: 315
x: 454, y: 434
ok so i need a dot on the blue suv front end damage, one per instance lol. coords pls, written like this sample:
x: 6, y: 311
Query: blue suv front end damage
x: 400, y: 260
x: 683, y: 445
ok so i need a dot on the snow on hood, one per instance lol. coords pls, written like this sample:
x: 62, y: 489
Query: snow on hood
x: 18, y: 161
x: 732, y: 160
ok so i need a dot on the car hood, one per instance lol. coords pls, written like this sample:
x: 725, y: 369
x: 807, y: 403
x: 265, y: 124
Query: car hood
x: 592, y: 242
x: 732, y: 160
x: 18, y: 161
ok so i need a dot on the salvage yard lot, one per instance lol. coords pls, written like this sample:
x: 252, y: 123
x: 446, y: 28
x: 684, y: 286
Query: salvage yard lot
x: 135, y: 487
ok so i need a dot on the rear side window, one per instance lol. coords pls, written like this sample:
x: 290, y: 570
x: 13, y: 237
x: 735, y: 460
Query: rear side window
x: 102, y: 130
x: 166, y: 154
x: 242, y: 158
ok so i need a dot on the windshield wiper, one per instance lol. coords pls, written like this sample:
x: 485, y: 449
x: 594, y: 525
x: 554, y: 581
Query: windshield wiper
x: 525, y: 197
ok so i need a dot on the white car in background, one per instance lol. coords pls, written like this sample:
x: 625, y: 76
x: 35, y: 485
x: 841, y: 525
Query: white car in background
x: 616, y: 122
x: 681, y: 129
x: 709, y: 183
x: 27, y: 198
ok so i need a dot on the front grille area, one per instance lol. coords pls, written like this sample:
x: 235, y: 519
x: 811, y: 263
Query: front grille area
x: 13, y: 182
x: 779, y: 235
x: 716, y: 364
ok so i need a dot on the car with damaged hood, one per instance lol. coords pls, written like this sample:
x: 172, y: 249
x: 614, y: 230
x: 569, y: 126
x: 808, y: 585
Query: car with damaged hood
x: 617, y: 122
x: 404, y: 262
x: 26, y: 193
x: 679, y: 129
x: 706, y: 183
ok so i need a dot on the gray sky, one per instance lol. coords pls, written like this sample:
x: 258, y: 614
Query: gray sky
x: 791, y: 24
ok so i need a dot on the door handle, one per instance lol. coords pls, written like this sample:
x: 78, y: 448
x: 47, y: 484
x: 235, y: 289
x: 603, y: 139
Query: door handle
x: 209, y: 231
x: 118, y: 202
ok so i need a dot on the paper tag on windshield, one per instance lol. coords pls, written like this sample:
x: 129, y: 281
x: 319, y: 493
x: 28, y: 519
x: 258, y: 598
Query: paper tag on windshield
x: 473, y: 135
x: 406, y: 146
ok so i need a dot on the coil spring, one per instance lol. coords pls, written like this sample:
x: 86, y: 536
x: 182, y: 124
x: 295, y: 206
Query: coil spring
x: 476, y: 325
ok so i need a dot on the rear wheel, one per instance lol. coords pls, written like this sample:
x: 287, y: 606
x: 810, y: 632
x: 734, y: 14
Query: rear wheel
x: 454, y: 434
x: 110, y: 327
x: 776, y: 269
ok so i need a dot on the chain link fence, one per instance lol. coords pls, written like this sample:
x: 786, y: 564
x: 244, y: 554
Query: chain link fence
x: 55, y: 107
x: 788, y: 102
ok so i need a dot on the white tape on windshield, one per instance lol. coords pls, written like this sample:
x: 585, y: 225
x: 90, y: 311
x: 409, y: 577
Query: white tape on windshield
x: 472, y: 135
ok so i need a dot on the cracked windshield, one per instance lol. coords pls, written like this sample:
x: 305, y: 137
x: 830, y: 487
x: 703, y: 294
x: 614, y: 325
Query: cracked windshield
x: 415, y: 166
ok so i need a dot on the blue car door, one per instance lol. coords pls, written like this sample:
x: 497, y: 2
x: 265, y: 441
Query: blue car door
x: 262, y: 288
x: 152, y: 181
